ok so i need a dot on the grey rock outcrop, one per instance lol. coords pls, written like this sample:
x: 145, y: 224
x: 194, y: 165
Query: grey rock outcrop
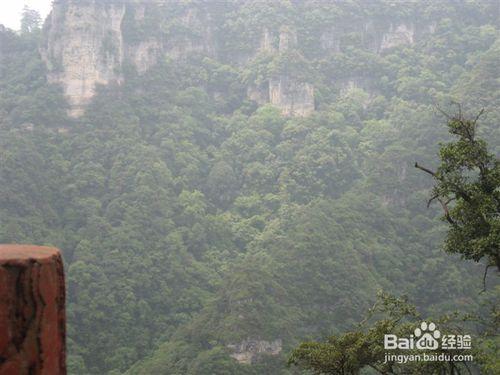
x: 84, y: 44
x: 249, y: 350
x: 87, y: 43
x: 145, y: 54
x: 292, y: 97
x: 398, y: 35
x: 84, y: 48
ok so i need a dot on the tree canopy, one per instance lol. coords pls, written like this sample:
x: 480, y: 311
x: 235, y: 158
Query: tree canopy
x: 193, y: 219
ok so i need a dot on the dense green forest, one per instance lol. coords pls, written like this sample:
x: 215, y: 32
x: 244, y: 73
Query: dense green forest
x: 192, y: 218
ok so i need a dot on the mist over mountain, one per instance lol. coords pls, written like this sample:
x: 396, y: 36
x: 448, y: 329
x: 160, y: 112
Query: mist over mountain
x: 227, y: 179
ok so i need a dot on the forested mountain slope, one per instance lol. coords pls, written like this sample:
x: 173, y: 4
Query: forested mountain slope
x: 231, y: 178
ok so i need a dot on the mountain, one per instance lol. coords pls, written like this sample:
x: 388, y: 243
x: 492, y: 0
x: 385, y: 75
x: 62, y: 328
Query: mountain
x: 228, y: 179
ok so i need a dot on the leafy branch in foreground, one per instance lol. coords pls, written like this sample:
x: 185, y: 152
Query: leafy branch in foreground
x: 467, y: 186
x: 363, y: 348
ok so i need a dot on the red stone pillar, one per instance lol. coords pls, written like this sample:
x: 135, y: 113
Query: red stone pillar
x: 32, y: 315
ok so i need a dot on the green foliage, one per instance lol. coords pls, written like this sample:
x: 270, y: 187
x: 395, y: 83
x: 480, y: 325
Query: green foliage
x: 30, y: 20
x: 469, y: 178
x: 362, y: 349
x: 191, y: 218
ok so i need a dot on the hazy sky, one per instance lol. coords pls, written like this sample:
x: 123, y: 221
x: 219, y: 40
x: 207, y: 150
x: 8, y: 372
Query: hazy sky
x: 10, y: 10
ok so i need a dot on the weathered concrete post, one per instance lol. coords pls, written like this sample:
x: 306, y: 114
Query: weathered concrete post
x: 32, y: 314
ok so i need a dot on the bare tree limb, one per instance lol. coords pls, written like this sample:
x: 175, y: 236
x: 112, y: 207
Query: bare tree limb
x: 484, y: 277
x: 481, y: 112
x: 444, y: 205
x: 432, y: 198
x: 446, y: 212
x: 444, y: 113
x: 425, y: 169
x: 460, y: 117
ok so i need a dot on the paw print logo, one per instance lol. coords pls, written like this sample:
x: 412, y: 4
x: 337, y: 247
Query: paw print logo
x: 427, y: 336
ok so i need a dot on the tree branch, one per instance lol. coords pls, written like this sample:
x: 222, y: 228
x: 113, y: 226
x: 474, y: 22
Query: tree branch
x: 481, y: 112
x: 430, y: 200
x: 446, y: 212
x: 459, y: 109
x: 484, y: 277
x: 442, y: 112
x: 425, y: 169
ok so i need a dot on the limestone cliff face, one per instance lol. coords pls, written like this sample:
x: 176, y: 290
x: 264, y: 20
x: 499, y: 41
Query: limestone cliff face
x: 144, y: 55
x: 259, y: 93
x: 87, y: 43
x: 294, y: 98
x: 84, y: 47
x: 195, y: 35
x: 266, y: 41
x: 249, y: 350
x: 291, y: 94
x: 398, y: 35
x: 376, y: 37
x: 330, y: 40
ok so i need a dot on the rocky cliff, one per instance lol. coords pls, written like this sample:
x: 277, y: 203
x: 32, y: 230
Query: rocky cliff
x: 248, y: 351
x: 84, y: 48
x: 87, y: 43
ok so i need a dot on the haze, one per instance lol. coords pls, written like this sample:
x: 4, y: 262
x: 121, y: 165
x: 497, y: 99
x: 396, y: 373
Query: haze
x: 10, y: 11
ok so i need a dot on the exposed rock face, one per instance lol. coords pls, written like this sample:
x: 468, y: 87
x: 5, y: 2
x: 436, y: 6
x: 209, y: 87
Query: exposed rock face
x: 139, y: 12
x: 398, y: 35
x: 285, y: 91
x: 84, y: 48
x: 199, y: 39
x: 353, y: 83
x: 266, y: 41
x: 288, y: 39
x: 377, y: 38
x: 258, y: 93
x: 348, y: 85
x: 145, y: 55
x: 330, y: 40
x: 293, y: 97
x: 88, y: 41
x: 32, y: 315
x: 249, y: 350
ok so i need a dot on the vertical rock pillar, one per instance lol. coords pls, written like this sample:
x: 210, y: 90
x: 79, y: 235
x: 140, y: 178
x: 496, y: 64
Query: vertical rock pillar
x: 32, y: 314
